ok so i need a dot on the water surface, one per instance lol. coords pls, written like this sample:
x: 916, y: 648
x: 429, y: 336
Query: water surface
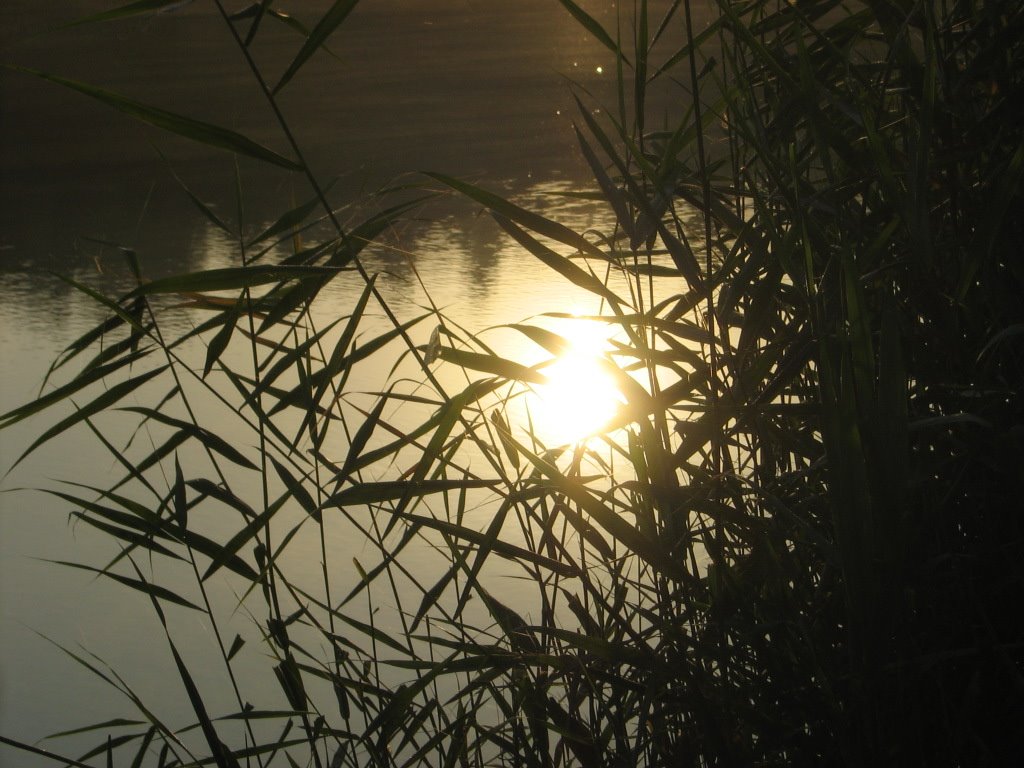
x: 476, y: 89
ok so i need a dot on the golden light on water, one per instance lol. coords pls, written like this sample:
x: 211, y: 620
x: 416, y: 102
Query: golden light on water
x: 580, y: 398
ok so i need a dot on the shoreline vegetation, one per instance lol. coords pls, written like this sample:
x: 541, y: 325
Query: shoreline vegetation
x: 798, y: 539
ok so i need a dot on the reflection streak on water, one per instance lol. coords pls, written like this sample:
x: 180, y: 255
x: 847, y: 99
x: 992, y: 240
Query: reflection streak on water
x: 580, y: 398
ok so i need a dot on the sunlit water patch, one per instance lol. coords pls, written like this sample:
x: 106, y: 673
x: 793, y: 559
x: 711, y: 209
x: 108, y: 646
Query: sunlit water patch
x: 580, y: 397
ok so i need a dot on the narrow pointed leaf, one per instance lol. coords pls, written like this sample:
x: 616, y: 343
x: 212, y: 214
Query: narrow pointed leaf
x: 328, y: 23
x: 202, y: 207
x: 362, y: 436
x: 143, y: 750
x: 180, y: 504
x: 118, y: 722
x: 611, y: 192
x: 204, y: 133
x: 557, y: 262
x: 101, y: 403
x: 221, y: 754
x: 498, y: 366
x: 153, y: 590
x: 394, y: 490
x: 236, y: 646
x: 63, y: 393
x: 506, y: 550
x: 505, y: 436
x: 233, y: 278
x: 220, y: 341
x: 243, y: 537
x: 210, y: 488
x: 524, y: 218
x: 125, y: 11
x: 288, y: 220
x: 206, y: 437
x: 593, y: 27
x: 288, y: 676
x: 296, y: 489
x: 34, y: 750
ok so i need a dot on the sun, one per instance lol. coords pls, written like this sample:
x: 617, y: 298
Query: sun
x: 579, y: 398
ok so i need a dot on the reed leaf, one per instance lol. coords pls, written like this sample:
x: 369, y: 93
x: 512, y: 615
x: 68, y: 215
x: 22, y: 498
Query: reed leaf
x: 328, y: 23
x: 125, y: 11
x: 394, y: 490
x: 90, y: 375
x: 140, y: 585
x: 97, y: 405
x: 591, y: 24
x: 196, y: 130
x: 232, y: 278
x: 524, y: 218
x: 474, y: 361
x: 563, y: 266
x: 207, y: 438
x: 288, y: 220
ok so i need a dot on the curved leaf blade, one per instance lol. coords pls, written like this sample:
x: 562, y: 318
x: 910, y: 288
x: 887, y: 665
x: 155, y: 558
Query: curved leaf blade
x: 197, y: 130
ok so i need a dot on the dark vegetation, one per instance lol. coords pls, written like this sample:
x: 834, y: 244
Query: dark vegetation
x: 800, y: 546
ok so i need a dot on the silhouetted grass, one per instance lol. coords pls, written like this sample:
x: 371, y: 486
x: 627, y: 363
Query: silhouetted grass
x: 799, y: 540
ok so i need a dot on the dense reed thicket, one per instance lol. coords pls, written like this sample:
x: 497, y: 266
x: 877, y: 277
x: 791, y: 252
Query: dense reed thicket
x: 798, y: 542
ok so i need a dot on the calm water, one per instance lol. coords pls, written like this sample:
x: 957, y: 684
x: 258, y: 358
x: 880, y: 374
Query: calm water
x: 471, y: 87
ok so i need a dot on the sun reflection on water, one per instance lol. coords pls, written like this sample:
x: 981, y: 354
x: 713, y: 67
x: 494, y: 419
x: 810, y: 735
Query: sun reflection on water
x: 580, y: 398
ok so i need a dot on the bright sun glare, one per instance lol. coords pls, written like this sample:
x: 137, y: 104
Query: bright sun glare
x: 579, y: 398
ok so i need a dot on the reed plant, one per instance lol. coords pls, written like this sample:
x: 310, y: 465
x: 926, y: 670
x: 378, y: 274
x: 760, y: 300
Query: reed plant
x: 798, y: 540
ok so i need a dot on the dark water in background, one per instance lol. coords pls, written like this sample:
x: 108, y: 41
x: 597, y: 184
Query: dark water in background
x: 474, y: 88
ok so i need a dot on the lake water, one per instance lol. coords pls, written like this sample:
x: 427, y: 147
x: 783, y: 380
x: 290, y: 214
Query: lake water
x: 473, y: 88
